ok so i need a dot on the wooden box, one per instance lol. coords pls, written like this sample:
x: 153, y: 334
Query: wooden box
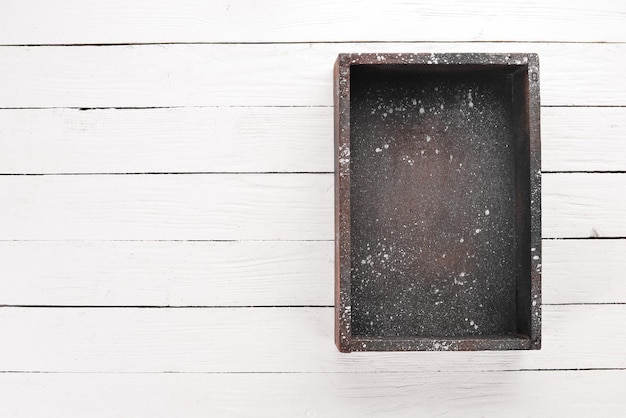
x: 438, y: 202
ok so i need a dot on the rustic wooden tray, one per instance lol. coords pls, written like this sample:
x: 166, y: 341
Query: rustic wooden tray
x: 438, y: 202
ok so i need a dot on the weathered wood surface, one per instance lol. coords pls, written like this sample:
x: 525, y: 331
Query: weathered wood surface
x: 261, y: 273
x: 264, y: 340
x: 243, y: 89
x: 264, y: 75
x: 250, y: 139
x: 249, y: 207
x: 123, y: 21
x: 497, y: 394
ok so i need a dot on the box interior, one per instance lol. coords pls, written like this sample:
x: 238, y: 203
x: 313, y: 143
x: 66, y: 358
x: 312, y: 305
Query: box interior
x: 439, y: 201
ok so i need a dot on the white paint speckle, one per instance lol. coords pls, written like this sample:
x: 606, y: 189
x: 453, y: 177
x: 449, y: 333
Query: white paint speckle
x: 536, y: 257
x: 478, y: 230
x: 462, y: 240
x: 386, y: 146
x: 407, y: 160
x: 428, y: 138
x: 422, y: 111
x: 487, y: 212
x: 379, y: 150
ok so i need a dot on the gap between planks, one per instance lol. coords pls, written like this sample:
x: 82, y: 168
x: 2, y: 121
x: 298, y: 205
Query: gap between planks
x: 201, y: 173
x: 357, y: 42
x: 238, y: 306
x: 263, y: 240
x: 158, y: 173
x: 366, y: 372
x: 238, y: 106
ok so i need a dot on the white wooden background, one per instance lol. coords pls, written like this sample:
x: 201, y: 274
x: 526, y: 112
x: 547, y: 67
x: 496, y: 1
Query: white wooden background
x: 166, y: 210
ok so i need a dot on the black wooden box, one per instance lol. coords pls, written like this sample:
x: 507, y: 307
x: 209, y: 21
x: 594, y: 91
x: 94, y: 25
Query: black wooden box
x: 438, y: 202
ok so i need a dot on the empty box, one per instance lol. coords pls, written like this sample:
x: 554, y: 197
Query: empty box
x: 438, y: 202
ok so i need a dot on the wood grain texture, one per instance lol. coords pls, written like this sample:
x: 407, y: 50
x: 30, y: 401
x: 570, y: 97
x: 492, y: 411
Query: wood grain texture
x: 584, y: 271
x: 242, y: 87
x: 583, y: 139
x: 584, y: 205
x: 211, y: 139
x: 166, y: 207
x: 249, y: 207
x: 263, y: 74
x: 269, y: 273
x: 249, y: 139
x: 293, y: 340
x: 74, y: 21
x: 166, y: 273
x: 492, y: 394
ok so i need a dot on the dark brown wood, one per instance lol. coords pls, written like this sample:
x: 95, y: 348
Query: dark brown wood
x: 438, y: 216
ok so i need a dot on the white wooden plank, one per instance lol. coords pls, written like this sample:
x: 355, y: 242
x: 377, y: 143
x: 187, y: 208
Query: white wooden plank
x: 248, y: 207
x: 290, y: 340
x: 165, y: 207
x: 106, y: 273
x: 510, y: 394
x: 212, y: 139
x: 166, y: 273
x: 74, y: 21
x: 249, y: 139
x: 584, y: 205
x: 584, y: 271
x: 583, y: 139
x: 263, y: 74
